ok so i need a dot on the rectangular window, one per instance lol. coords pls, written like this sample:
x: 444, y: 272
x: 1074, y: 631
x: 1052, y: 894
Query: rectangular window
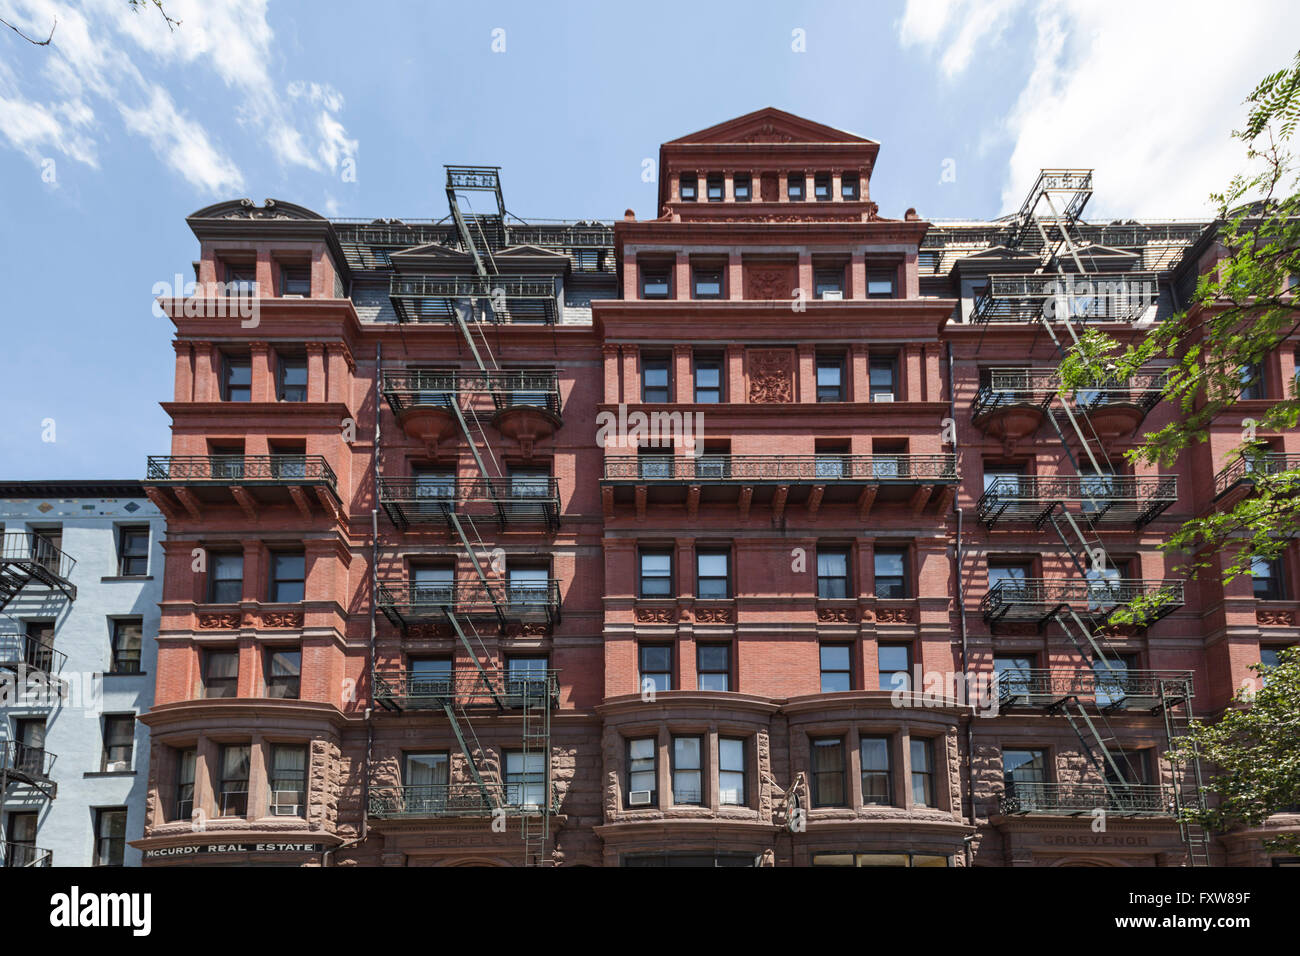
x: 288, y: 577
x: 1015, y: 574
x: 713, y: 575
x: 830, y: 378
x: 880, y: 284
x: 241, y: 279
x: 128, y: 638
x: 133, y: 551
x: 654, y: 379
x: 525, y: 779
x: 186, y: 764
x: 656, y: 574
x: 689, y: 186
x: 20, y: 834
x: 654, y: 284
x: 429, y: 676
x: 426, y: 777
x: 877, y: 782
x: 526, y: 676
x: 837, y: 668
x: 822, y: 187
x: 225, y: 578
x: 1252, y: 382
x: 291, y: 378
x: 432, y: 586
x: 828, y: 284
x: 38, y: 646
x: 922, y: 773
x: 288, y: 780
x: 742, y: 187
x: 1013, y: 675
x: 1266, y: 579
x: 894, y: 662
x: 1024, y: 767
x: 283, y: 673
x: 236, y: 378
x: 849, y: 187
x: 828, y: 772
x: 110, y: 836
x: 882, y: 378
x: 220, y: 674
x: 642, y: 772
x: 731, y: 772
x: 715, y: 187
x: 891, y: 573
x: 232, y: 796
x: 655, y: 463
x: 295, y: 281
x: 794, y: 186
x: 832, y: 573
x: 708, y: 381
x: 713, y: 666
x: 119, y: 742
x: 707, y: 282
x: 656, y: 666
x: 686, y: 771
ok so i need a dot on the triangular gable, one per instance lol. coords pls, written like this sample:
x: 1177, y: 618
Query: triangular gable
x: 530, y: 251
x: 435, y: 250
x: 769, y: 125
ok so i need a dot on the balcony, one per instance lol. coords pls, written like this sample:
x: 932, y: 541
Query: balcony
x: 526, y: 403
x: 779, y: 479
x: 519, y: 501
x: 29, y: 655
x: 1116, y: 407
x: 25, y: 558
x: 24, y: 854
x: 252, y: 481
x: 23, y: 763
x: 404, y: 603
x: 400, y: 690
x: 1061, y: 297
x: 1039, y: 599
x: 1239, y: 478
x: 458, y: 800
x: 1015, y: 402
x: 1118, y: 689
x: 1074, y: 799
x: 1098, y: 499
x: 498, y: 299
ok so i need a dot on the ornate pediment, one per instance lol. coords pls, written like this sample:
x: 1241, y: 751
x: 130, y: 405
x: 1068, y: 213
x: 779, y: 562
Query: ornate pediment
x: 770, y: 125
x: 247, y: 209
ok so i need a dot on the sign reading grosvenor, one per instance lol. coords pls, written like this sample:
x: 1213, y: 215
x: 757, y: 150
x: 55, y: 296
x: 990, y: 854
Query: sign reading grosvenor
x: 211, y: 849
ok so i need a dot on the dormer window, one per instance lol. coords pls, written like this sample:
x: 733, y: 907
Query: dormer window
x: 742, y: 187
x: 880, y: 284
x: 295, y: 281
x: 822, y: 187
x: 241, y: 279
x: 829, y: 284
x: 794, y: 187
x: 708, y: 282
x: 849, y: 187
x: 654, y: 284
x: 688, y: 187
x: 715, y: 187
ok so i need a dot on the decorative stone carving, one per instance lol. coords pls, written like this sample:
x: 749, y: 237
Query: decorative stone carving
x: 655, y: 615
x: 833, y: 615
x: 774, y: 281
x: 771, y: 376
x: 894, y: 615
x: 282, y: 619
x: 713, y: 615
x: 223, y: 622
x: 1271, y: 618
x: 425, y: 632
x: 767, y: 133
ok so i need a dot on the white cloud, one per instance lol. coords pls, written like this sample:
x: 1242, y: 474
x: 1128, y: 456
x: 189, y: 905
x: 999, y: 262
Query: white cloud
x: 1144, y: 93
x: 104, y: 55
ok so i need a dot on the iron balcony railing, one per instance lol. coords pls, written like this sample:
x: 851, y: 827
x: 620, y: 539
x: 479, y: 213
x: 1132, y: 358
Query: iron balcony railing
x: 1008, y: 387
x: 1128, y: 799
x: 499, y: 298
x: 810, y: 469
x: 396, y: 235
x: 403, y: 602
x: 1118, y: 688
x: 459, y: 800
x: 411, y: 501
x: 473, y: 177
x: 403, y: 689
x: 24, y: 854
x: 408, y: 388
x: 24, y: 760
x: 1060, y: 297
x: 241, y: 469
x: 19, y: 651
x: 1099, y: 499
x: 1248, y: 468
x: 1038, y: 598
x: 32, y: 555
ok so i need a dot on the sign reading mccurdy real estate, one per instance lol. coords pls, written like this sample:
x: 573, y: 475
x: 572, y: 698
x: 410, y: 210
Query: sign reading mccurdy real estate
x: 218, y: 849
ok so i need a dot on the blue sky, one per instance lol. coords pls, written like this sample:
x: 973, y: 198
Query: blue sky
x: 115, y: 132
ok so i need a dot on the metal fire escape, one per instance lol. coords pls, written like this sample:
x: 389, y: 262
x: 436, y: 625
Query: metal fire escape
x: 488, y: 689
x: 1062, y: 301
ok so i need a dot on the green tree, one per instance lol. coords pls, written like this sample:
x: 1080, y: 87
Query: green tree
x: 1255, y: 750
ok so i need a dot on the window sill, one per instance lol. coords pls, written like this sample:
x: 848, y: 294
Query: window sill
x: 109, y: 773
x: 123, y: 674
x: 127, y: 577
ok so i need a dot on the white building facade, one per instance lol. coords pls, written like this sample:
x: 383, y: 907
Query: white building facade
x: 80, y: 581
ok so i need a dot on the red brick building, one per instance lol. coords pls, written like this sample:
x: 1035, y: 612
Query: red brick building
x: 692, y: 540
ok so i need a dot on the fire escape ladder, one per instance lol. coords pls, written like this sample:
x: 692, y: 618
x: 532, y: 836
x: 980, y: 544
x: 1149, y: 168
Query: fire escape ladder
x: 1100, y: 750
x: 536, y: 733
x: 1185, y: 765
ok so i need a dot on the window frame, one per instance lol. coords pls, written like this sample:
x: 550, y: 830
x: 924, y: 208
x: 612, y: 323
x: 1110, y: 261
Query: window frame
x: 653, y: 770
x: 112, y: 844
x: 290, y: 684
x: 845, y: 579
x: 700, y: 671
x: 881, y: 647
x: 641, y: 576
x: 924, y: 746
x: 742, y: 746
x: 700, y: 578
x: 905, y: 584
x: 675, y: 768
x: 275, y: 581
x: 229, y: 363
x: 641, y: 672
x: 652, y: 363
x: 214, y: 582
x: 815, y: 776
x: 206, y: 678
x: 824, y: 671
x: 708, y: 363
x: 284, y: 363
x: 116, y: 656
x: 875, y: 772
x: 114, y: 740
x: 125, y: 555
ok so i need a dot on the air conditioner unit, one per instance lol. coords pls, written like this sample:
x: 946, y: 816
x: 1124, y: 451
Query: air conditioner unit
x: 835, y: 294
x: 293, y: 295
x: 118, y: 766
x: 639, y: 798
x: 883, y: 397
x: 283, y: 805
